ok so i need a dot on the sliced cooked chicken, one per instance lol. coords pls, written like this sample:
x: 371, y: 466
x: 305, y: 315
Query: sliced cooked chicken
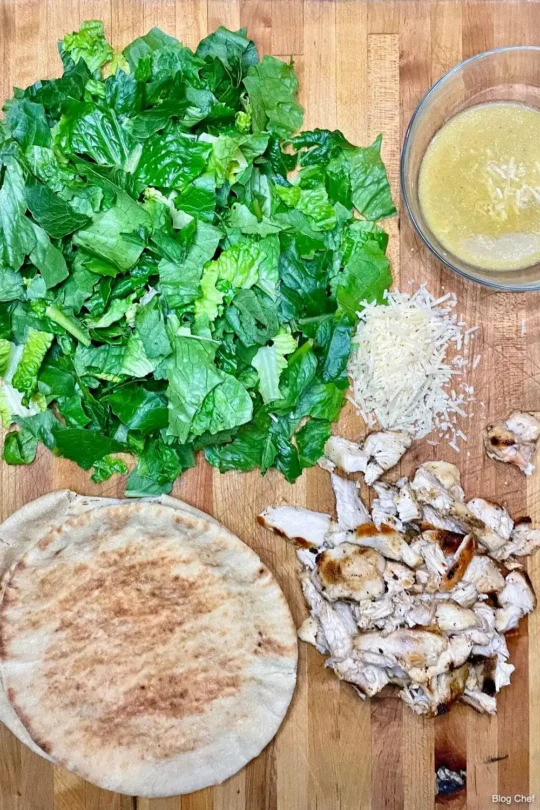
x: 524, y: 541
x: 368, y: 678
x: 480, y: 701
x: 370, y: 614
x: 408, y: 649
x: 452, y: 618
x: 346, y: 455
x: 437, y: 695
x: 516, y: 600
x: 384, y: 508
x: 307, y: 557
x: 459, y: 562
x: 514, y: 440
x: 413, y: 610
x: 430, y: 492
x: 350, y: 572
x: 335, y: 630
x: 464, y: 593
x: 351, y: 512
x: 494, y: 516
x: 432, y: 555
x: 398, y: 577
x: 523, y: 425
x: 384, y: 449
x: 302, y: 526
x: 448, y: 475
x: 310, y: 632
x: 433, y: 519
x: 407, y: 505
x: 484, y: 575
x: 326, y: 465
x: 388, y: 542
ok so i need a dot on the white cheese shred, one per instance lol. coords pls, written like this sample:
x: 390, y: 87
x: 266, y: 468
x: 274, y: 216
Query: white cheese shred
x: 409, y: 352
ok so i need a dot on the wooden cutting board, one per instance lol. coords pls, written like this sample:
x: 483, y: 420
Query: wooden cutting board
x: 363, y: 67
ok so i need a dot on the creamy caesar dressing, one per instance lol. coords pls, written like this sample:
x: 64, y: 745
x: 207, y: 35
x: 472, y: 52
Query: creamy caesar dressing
x: 479, y: 186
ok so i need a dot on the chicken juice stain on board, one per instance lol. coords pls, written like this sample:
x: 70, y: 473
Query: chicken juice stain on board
x: 479, y: 185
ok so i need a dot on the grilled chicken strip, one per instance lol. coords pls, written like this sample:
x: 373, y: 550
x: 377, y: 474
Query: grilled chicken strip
x: 346, y: 455
x: 384, y: 449
x: 350, y: 572
x: 516, y: 600
x: 351, y: 512
x: 483, y: 573
x: 406, y: 504
x: 524, y: 540
x: 303, y: 527
x: 514, y: 440
x: 430, y: 491
x: 494, y: 516
x: 380, y: 451
x: 388, y: 542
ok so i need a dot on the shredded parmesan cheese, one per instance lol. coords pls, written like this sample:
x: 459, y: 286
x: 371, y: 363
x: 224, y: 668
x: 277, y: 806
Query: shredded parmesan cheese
x: 408, y: 353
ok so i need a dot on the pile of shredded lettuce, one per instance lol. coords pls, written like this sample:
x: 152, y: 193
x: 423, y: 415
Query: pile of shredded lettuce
x: 178, y: 272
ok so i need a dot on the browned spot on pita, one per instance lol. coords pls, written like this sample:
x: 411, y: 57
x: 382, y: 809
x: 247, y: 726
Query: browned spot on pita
x: 272, y: 647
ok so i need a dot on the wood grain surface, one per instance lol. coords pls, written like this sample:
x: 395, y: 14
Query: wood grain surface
x: 363, y: 67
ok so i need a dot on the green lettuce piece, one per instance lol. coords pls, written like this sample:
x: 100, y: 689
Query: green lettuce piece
x: 232, y: 48
x: 270, y: 362
x: 107, y: 466
x: 210, y: 298
x: 18, y: 235
x: 231, y: 155
x: 84, y: 446
x: 35, y: 348
x: 158, y: 466
x: 365, y: 278
x: 151, y: 329
x: 48, y: 259
x: 5, y: 353
x: 109, y: 236
x: 172, y: 160
x: 11, y: 285
x: 56, y: 216
x: 89, y: 44
x: 191, y: 374
x: 310, y: 441
x: 140, y: 408
x: 242, y: 218
x: 11, y: 400
x: 20, y: 448
x: 272, y: 88
x: 88, y: 129
x: 371, y: 193
x: 226, y: 406
x: 143, y: 47
x: 313, y: 202
x: 236, y: 268
x: 69, y: 323
x: 27, y: 122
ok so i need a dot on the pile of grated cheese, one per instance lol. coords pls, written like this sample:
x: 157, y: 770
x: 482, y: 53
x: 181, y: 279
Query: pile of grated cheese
x: 408, y: 354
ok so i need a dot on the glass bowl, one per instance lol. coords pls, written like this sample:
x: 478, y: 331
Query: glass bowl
x: 504, y: 74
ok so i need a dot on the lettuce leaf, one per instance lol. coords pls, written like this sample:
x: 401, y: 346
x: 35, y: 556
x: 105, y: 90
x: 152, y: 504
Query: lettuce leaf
x: 89, y: 44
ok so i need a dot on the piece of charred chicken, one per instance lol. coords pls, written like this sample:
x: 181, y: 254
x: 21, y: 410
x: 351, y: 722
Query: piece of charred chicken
x: 513, y: 440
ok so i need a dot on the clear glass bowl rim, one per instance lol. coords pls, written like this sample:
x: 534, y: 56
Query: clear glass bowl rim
x: 535, y: 285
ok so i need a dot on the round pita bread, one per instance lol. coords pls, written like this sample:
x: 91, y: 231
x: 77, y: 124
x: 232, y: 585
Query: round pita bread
x: 145, y: 648
x: 25, y: 527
